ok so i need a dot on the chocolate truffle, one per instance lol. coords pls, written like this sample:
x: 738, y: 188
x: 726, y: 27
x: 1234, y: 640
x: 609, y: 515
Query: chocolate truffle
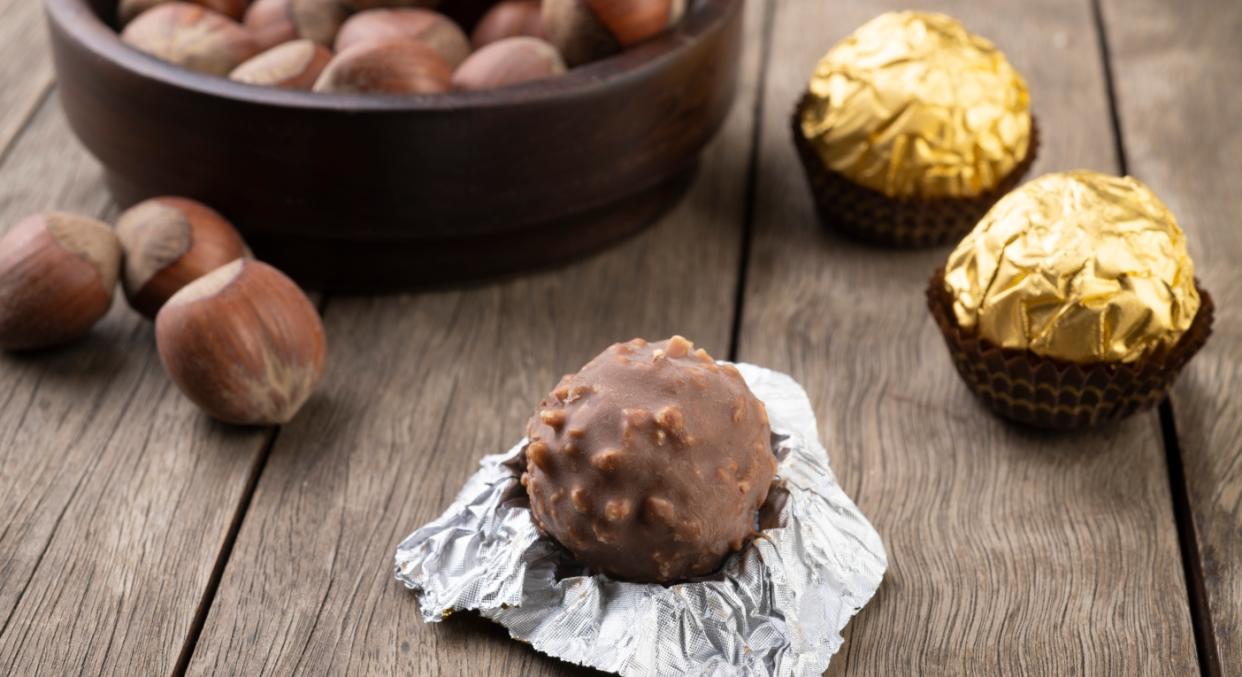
x: 1078, y: 266
x: 651, y: 463
x: 1073, y: 301
x: 912, y: 108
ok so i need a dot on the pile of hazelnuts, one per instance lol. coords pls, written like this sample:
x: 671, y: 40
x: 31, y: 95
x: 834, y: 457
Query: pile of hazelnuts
x: 388, y: 46
x: 237, y: 336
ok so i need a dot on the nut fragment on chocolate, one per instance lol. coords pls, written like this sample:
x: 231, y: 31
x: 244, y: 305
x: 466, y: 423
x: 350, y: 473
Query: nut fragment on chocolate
x: 651, y: 463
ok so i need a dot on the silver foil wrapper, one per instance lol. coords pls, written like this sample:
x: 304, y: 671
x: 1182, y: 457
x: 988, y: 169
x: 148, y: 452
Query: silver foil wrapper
x: 776, y: 608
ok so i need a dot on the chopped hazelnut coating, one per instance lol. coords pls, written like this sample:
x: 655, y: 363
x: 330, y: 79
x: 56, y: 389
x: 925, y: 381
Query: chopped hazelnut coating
x: 617, y: 509
x: 608, y: 460
x: 553, y: 418
x: 650, y: 464
x: 678, y: 347
x: 537, y: 453
x: 579, y: 498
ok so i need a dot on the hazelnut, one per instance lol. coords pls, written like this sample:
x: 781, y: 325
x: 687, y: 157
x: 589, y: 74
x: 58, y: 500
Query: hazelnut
x: 509, y: 62
x: 390, y: 25
x: 130, y: 9
x: 318, y: 20
x: 405, y: 67
x: 244, y: 343
x: 57, y: 278
x: 270, y: 22
x: 587, y: 30
x: 275, y: 22
x: 509, y: 19
x: 293, y: 65
x: 364, y: 5
x: 191, y: 36
x: 169, y: 242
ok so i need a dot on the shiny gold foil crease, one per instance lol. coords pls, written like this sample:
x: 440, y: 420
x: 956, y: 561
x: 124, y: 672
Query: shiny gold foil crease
x: 1077, y: 266
x: 914, y: 106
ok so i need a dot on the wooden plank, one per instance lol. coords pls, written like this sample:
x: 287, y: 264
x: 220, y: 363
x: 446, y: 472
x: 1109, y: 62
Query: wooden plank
x: 420, y: 388
x: 115, y: 493
x: 1176, y: 73
x: 1011, y: 551
x: 25, y: 65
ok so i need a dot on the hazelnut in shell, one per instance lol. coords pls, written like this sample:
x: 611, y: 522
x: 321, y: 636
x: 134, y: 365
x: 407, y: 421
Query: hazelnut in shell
x: 275, y: 22
x: 57, y: 278
x: 509, y: 19
x: 509, y: 62
x: 271, y: 23
x: 128, y: 10
x: 191, y: 36
x: 390, y: 25
x: 243, y: 343
x: 405, y: 67
x: 364, y: 5
x: 588, y: 30
x: 170, y: 242
x: 293, y: 65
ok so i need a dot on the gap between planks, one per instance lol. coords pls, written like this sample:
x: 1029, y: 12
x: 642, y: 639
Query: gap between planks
x: 41, y: 105
x: 27, y: 117
x: 230, y: 540
x: 337, y: 625
x: 1192, y: 567
x: 1181, y: 507
x: 865, y: 428
x: 750, y: 203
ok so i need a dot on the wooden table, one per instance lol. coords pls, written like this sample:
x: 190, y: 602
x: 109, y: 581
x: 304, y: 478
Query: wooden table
x: 138, y: 538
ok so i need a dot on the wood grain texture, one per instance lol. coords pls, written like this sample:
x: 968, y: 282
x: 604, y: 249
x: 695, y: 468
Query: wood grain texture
x: 1176, y: 72
x: 115, y: 493
x: 25, y: 66
x: 1011, y: 551
x: 422, y: 387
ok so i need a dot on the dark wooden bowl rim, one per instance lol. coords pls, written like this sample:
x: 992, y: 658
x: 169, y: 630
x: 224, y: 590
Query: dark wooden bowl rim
x: 83, y: 24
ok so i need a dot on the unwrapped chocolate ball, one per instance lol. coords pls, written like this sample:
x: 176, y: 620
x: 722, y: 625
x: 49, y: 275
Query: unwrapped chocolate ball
x: 651, y: 463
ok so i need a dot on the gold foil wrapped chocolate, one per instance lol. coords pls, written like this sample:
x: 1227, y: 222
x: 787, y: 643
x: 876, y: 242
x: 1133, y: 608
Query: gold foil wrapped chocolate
x: 1076, y: 266
x: 915, y: 106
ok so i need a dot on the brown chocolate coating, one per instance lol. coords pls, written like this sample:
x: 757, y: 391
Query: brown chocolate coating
x: 651, y: 463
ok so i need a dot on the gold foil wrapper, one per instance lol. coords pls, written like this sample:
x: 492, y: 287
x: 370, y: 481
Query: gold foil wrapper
x: 915, y: 106
x: 1077, y: 266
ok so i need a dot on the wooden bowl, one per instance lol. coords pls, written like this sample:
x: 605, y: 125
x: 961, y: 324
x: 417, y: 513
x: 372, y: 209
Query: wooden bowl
x: 372, y: 193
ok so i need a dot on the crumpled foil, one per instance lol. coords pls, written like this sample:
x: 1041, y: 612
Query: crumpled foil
x: 915, y: 106
x: 776, y: 608
x: 1078, y: 266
